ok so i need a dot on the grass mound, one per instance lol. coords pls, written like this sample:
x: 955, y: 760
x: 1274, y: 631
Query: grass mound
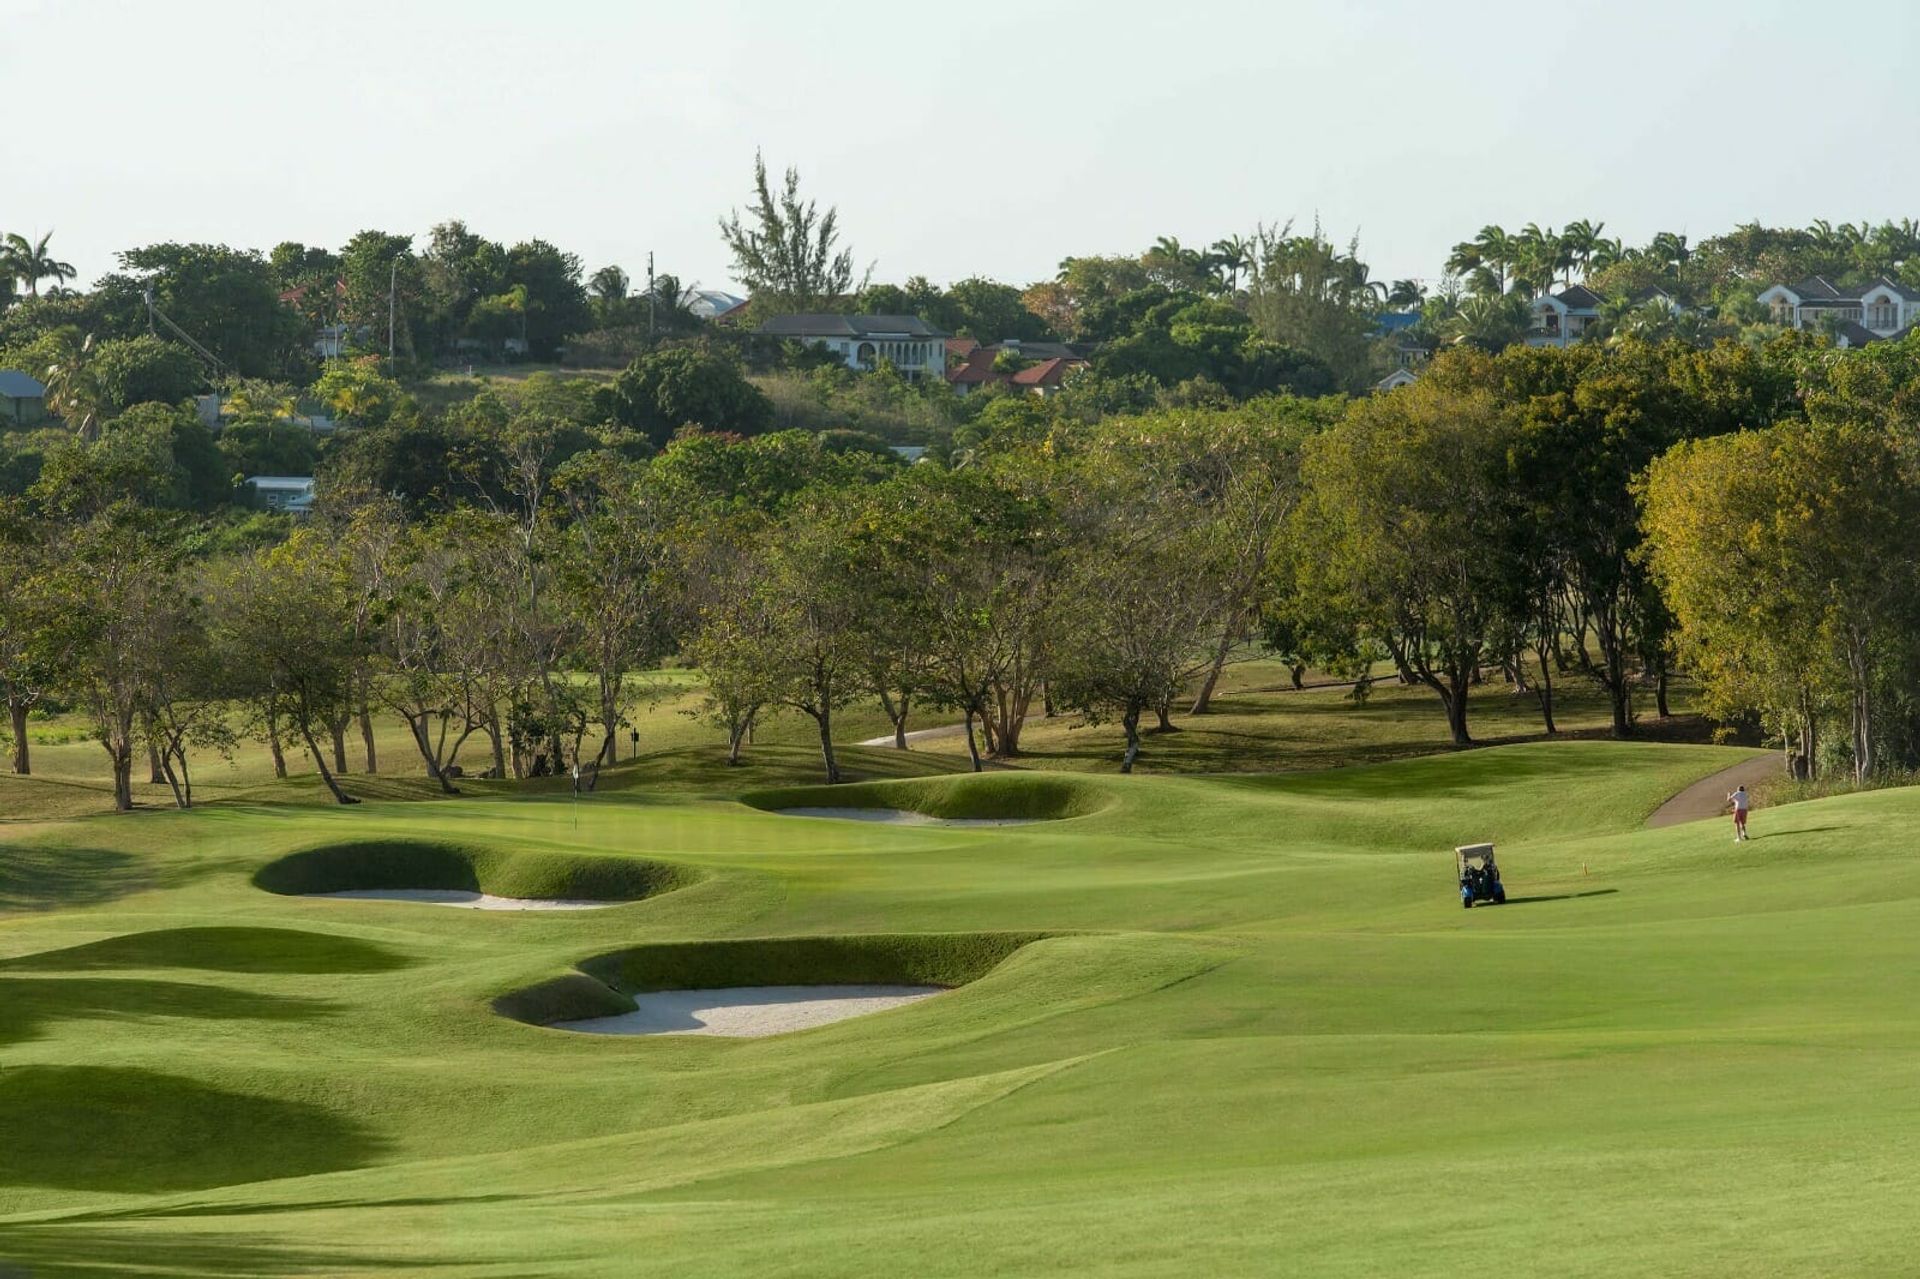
x: 219, y: 950
x: 405, y: 863
x: 115, y: 1129
x: 603, y: 984
x: 1022, y: 796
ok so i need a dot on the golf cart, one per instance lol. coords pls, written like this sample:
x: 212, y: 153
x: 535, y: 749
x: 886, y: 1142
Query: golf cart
x: 1479, y: 877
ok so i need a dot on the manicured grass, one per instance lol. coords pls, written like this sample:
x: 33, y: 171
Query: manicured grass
x: 1249, y: 1031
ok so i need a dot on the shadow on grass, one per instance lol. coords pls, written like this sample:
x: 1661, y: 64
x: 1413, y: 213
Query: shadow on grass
x: 1561, y: 897
x: 27, y: 1004
x: 35, y: 877
x: 220, y: 950
x: 68, y: 1252
x: 104, y: 1128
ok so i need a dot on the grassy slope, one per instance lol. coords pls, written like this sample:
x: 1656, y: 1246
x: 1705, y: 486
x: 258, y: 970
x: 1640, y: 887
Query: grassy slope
x: 1274, y: 1045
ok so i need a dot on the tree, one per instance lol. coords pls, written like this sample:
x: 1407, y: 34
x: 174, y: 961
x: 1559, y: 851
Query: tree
x: 30, y: 260
x: 1408, y: 521
x: 29, y: 631
x: 785, y: 251
x: 1305, y: 293
x: 663, y: 391
x: 613, y: 580
x: 811, y: 592
x: 225, y: 299
x: 283, y: 616
x: 117, y: 592
x: 145, y: 369
x: 74, y: 393
x: 1133, y: 610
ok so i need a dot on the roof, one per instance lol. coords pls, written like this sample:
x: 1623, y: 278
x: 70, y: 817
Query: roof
x: 1579, y: 298
x: 1894, y: 287
x: 708, y: 303
x: 1817, y: 288
x: 1390, y: 322
x: 1045, y: 373
x: 1853, y: 334
x: 280, y: 481
x: 827, y: 325
x: 961, y: 348
x: 15, y: 385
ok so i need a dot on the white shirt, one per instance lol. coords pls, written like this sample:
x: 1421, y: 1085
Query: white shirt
x: 1740, y: 798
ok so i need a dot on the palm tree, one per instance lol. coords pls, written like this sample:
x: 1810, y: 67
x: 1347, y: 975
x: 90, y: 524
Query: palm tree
x: 1485, y: 260
x: 1233, y: 255
x: 1582, y: 240
x: 1606, y: 253
x: 1539, y: 257
x: 29, y: 260
x: 74, y: 393
x: 1405, y: 295
x: 1490, y: 323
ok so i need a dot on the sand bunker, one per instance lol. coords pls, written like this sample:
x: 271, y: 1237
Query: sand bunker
x: 462, y: 897
x: 902, y: 817
x: 743, y: 1012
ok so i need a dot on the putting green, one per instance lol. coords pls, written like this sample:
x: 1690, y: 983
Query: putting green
x: 1228, y: 1025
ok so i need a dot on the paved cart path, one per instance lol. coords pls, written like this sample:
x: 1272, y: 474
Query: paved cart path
x: 1707, y: 798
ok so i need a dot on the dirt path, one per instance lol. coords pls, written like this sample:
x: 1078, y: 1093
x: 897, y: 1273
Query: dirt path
x: 1707, y: 798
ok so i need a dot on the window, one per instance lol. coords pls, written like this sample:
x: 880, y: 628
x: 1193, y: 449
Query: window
x: 1783, y: 312
x: 1883, y: 316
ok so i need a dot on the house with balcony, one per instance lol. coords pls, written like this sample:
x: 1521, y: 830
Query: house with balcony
x: 1854, y: 314
x: 1563, y: 318
x: 907, y: 342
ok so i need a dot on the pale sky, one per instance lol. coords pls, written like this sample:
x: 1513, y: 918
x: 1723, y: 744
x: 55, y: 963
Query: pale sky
x: 955, y: 139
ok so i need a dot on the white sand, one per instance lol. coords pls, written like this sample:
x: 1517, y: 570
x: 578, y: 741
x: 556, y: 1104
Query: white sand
x: 903, y: 817
x: 461, y: 897
x: 744, y: 1012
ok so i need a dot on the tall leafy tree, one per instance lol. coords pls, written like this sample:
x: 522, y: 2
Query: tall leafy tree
x: 785, y: 249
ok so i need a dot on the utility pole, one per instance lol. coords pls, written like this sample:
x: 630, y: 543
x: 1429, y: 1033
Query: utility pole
x: 650, y: 297
x: 393, y: 281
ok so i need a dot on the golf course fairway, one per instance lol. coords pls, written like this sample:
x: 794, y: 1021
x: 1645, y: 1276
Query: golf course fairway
x: 1206, y: 1025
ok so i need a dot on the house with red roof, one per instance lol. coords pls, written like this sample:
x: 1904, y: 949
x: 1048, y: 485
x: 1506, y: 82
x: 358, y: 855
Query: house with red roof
x: 1040, y: 368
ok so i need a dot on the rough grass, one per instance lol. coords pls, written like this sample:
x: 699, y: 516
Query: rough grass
x: 1258, y: 1036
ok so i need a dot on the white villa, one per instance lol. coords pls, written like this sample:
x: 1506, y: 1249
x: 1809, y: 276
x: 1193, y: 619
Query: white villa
x: 907, y: 342
x: 1858, y: 314
x: 1561, y: 319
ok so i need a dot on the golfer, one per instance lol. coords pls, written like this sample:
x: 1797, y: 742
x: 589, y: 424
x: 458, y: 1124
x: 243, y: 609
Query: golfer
x: 1740, y: 800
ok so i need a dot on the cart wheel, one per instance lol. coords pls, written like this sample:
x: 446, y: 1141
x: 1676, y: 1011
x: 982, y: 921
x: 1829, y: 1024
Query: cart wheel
x: 1499, y: 896
x: 1466, y: 903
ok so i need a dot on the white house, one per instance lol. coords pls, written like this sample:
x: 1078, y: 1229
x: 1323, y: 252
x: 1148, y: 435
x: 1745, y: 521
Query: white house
x: 292, y: 494
x: 907, y: 342
x: 1393, y: 381
x: 1560, y: 319
x: 1857, y: 314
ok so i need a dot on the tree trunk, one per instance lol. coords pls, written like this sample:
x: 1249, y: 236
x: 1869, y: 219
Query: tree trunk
x: 338, y: 730
x: 122, y: 757
x: 897, y: 716
x: 418, y: 723
x: 182, y: 794
x: 17, y: 717
x: 1298, y: 672
x: 1859, y: 668
x: 156, y: 771
x: 824, y: 718
x: 1660, y: 693
x: 1546, y: 692
x: 1456, y: 700
x: 973, y: 748
x: 737, y: 736
x: 320, y: 762
x: 273, y: 745
x: 1131, y: 722
x: 1164, y: 725
x: 1203, y: 704
x: 366, y: 734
